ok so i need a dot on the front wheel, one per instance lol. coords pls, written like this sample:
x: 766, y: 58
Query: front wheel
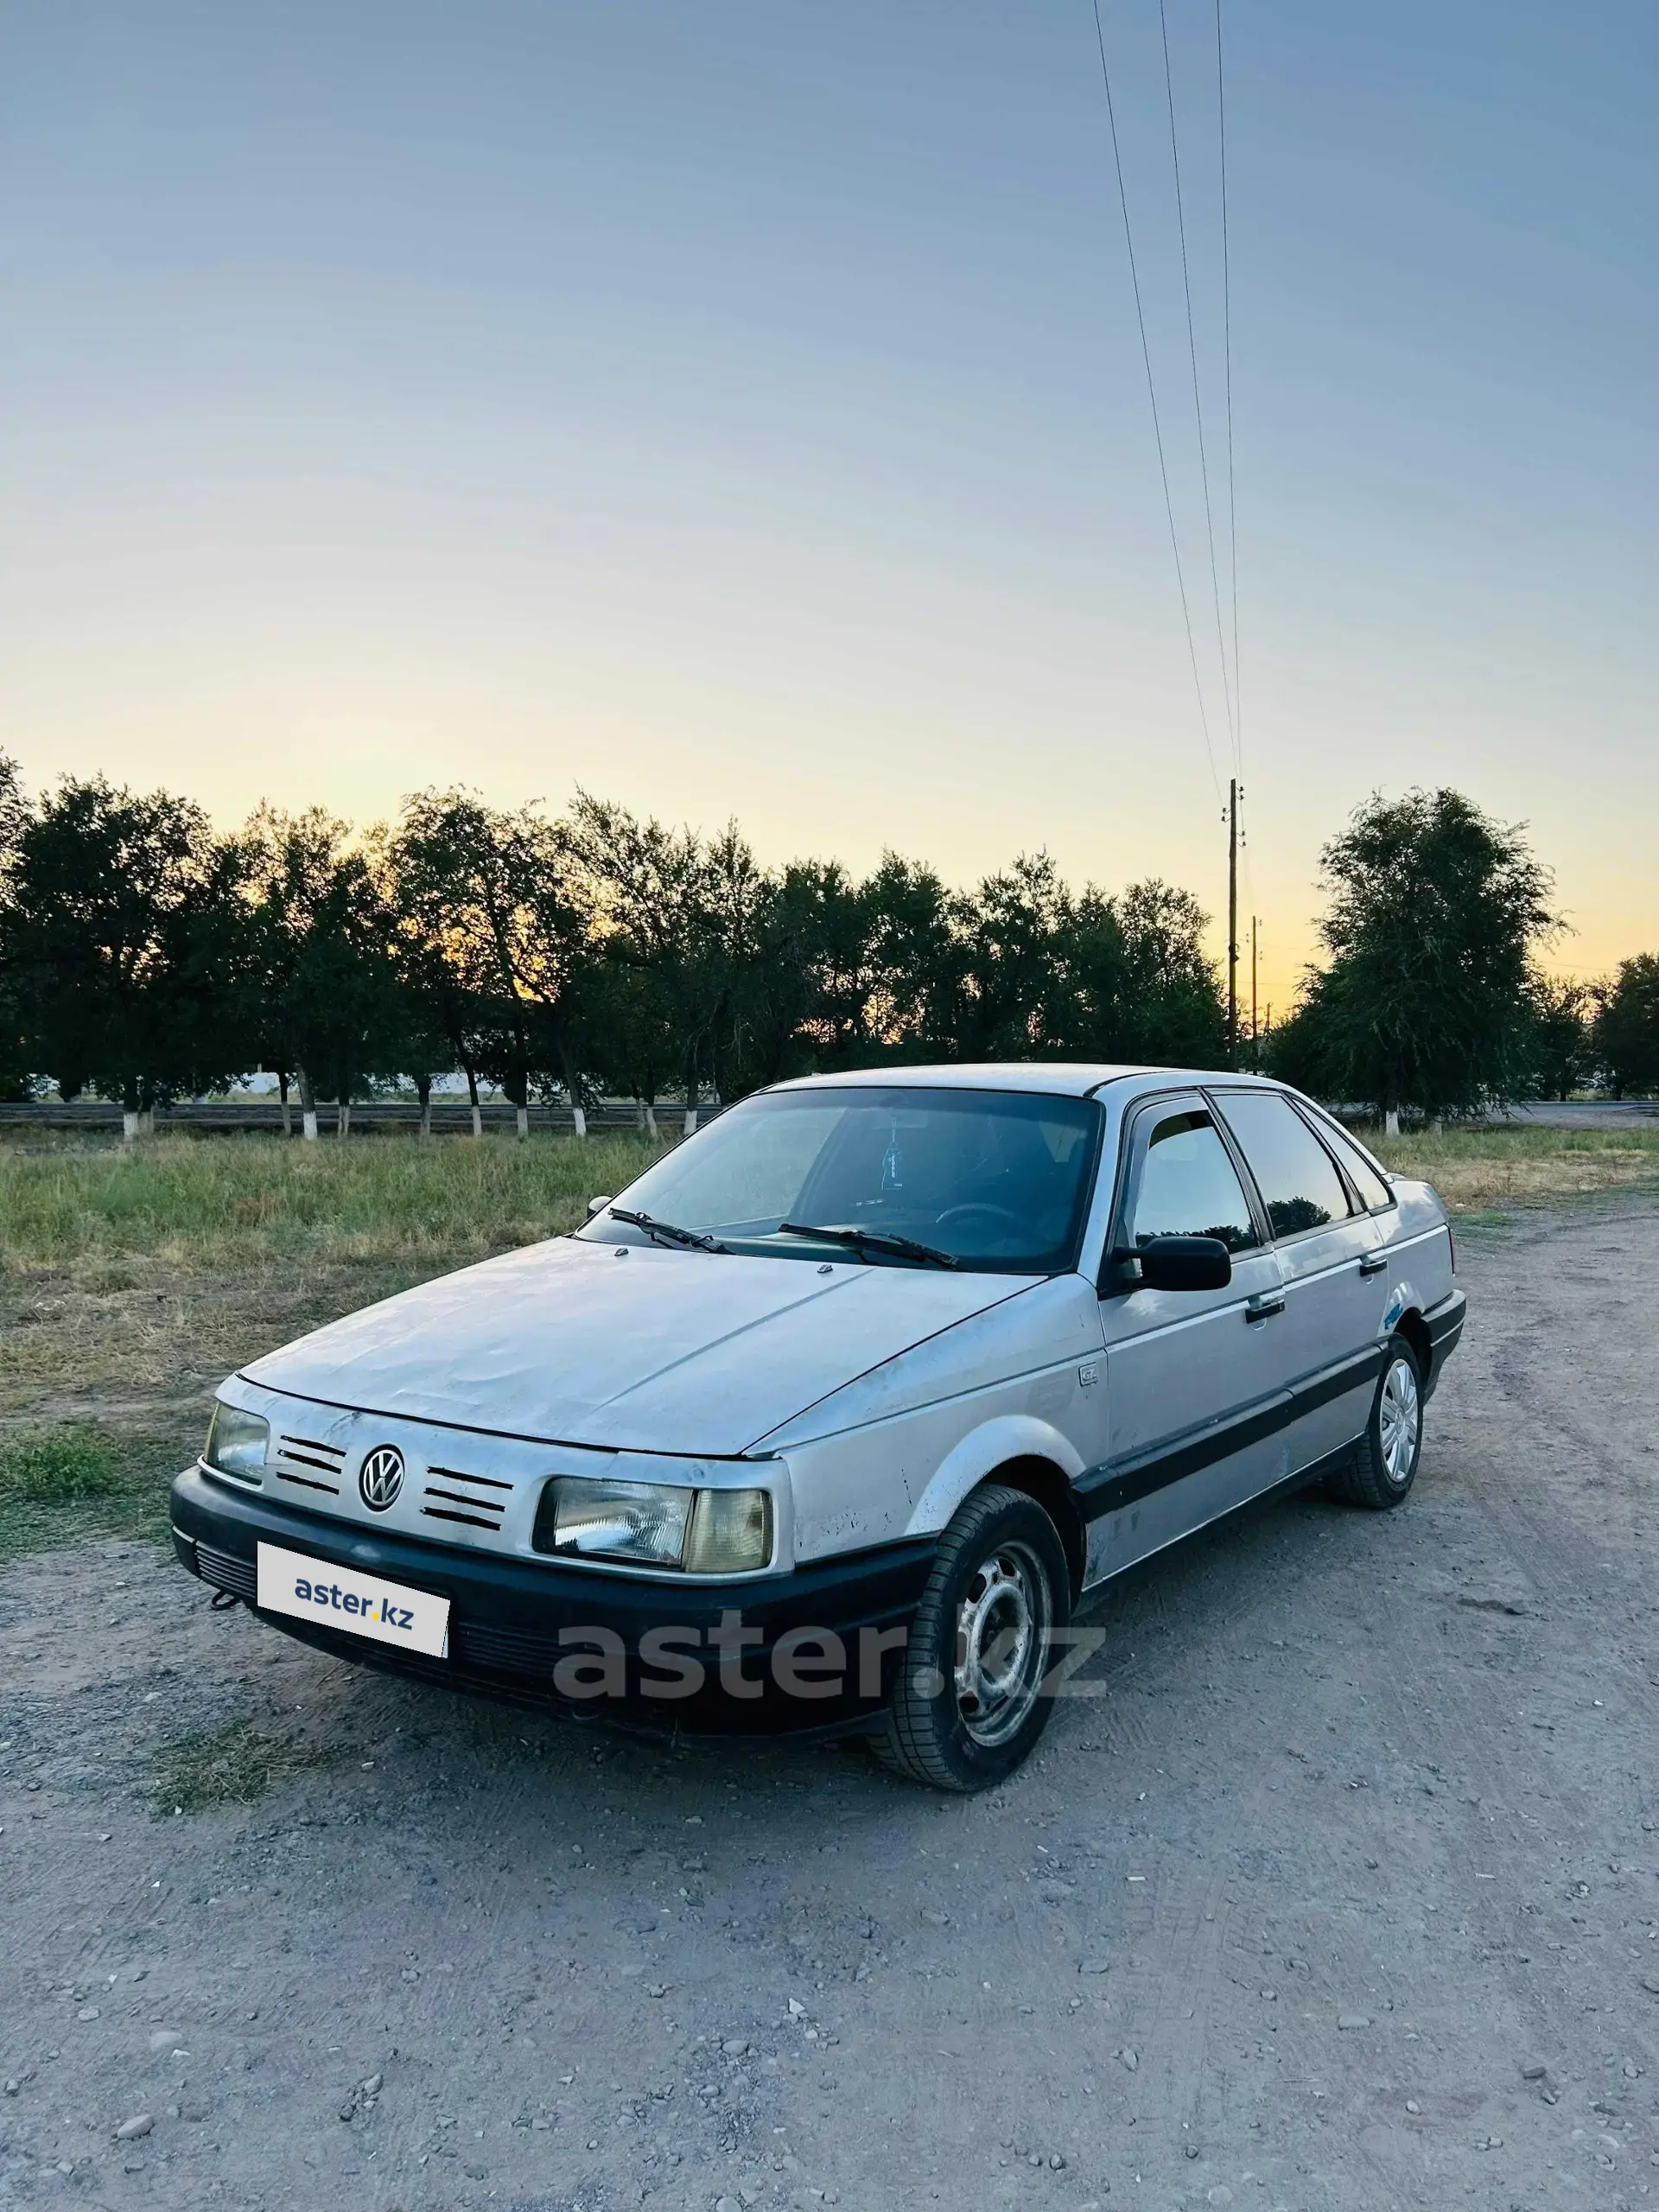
x: 968, y: 1704
x: 1384, y: 1465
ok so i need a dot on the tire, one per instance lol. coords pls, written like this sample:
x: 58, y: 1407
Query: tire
x: 968, y: 1703
x: 1384, y: 1463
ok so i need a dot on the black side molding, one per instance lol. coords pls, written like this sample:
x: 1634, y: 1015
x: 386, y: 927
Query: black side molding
x: 1126, y: 1482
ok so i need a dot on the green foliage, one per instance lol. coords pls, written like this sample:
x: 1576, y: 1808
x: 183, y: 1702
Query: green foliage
x: 604, y: 951
x: 14, y: 1055
x: 1562, y: 1040
x: 1626, y: 1029
x: 59, y: 1467
x: 316, y: 986
x: 1426, y: 1000
x: 113, y: 914
x: 78, y: 1479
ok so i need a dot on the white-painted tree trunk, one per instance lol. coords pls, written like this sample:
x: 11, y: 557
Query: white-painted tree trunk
x: 690, y: 1121
x: 478, y: 1119
x: 426, y: 1118
x: 523, y: 1119
x: 147, y: 1122
x: 309, y: 1123
x: 343, y: 1123
x: 579, y: 1118
x: 130, y: 1127
x: 1391, y: 1122
x: 651, y: 1121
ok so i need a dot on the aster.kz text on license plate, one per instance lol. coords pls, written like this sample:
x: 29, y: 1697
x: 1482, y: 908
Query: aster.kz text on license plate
x: 362, y: 1605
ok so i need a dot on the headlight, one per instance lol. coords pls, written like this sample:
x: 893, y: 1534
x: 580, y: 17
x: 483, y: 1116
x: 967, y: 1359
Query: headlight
x: 237, y: 1443
x: 644, y: 1522
x: 654, y: 1524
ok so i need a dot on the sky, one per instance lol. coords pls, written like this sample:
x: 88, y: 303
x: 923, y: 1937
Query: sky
x: 741, y: 411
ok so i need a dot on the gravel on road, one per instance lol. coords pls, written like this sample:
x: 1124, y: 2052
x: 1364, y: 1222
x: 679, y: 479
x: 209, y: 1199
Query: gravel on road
x: 1338, y: 1889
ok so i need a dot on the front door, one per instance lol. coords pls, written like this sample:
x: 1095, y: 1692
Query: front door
x: 1194, y: 1408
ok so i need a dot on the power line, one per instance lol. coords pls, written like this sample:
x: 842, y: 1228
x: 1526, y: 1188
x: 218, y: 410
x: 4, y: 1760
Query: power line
x: 1152, y: 394
x: 1227, y: 354
x: 1197, y: 401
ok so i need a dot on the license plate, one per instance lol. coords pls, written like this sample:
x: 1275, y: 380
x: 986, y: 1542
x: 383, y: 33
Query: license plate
x: 362, y: 1605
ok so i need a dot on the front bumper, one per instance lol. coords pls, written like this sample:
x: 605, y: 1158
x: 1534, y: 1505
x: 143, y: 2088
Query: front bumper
x: 523, y: 1629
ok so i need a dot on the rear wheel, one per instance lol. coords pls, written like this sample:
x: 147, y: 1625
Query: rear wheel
x: 968, y: 1705
x: 1384, y: 1463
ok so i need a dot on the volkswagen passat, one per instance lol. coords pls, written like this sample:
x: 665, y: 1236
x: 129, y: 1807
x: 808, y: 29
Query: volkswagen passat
x: 831, y: 1419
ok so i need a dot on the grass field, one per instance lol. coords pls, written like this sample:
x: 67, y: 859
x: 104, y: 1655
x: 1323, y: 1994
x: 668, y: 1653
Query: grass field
x: 1493, y: 1169
x: 132, y: 1282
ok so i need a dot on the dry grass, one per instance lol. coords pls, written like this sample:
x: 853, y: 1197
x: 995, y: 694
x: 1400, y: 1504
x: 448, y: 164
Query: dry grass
x: 233, y: 1766
x: 1518, y: 1163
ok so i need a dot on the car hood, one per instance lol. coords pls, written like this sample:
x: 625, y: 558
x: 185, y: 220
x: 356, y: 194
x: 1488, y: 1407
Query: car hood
x: 659, y: 1352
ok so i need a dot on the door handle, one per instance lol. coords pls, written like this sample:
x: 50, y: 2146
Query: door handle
x: 1264, y: 1303
x: 1373, y: 1263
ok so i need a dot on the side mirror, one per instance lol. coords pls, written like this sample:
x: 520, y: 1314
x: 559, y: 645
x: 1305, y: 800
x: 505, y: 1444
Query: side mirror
x: 1179, y: 1263
x: 598, y: 1205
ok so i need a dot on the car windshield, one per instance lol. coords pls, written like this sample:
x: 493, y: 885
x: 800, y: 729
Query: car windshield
x: 991, y: 1180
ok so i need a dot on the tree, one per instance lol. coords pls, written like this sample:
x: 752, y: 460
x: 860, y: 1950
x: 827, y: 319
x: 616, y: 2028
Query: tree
x: 1174, y: 1012
x: 502, y: 901
x: 320, y: 992
x: 1563, y: 1046
x: 436, y: 1015
x: 14, y: 1084
x: 799, y: 1000
x: 1051, y: 973
x: 1434, y: 913
x: 1626, y: 1031
x: 916, y: 962
x: 683, y: 917
x: 1016, y: 929
x: 115, y: 921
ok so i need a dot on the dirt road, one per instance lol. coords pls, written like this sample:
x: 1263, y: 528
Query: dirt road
x: 1344, y: 1892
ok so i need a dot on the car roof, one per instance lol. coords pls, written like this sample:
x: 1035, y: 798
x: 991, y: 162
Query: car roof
x: 1060, y: 1079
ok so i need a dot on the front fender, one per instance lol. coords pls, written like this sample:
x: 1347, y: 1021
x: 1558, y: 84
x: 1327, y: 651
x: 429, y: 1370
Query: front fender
x: 979, y: 1453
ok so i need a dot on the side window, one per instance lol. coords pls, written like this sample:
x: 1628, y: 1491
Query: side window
x: 1188, y: 1184
x: 1370, y: 1184
x: 1295, y: 1174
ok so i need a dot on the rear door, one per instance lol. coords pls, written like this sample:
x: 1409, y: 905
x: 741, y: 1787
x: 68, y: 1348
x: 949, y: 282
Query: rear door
x: 1335, y: 1273
x: 1196, y: 1412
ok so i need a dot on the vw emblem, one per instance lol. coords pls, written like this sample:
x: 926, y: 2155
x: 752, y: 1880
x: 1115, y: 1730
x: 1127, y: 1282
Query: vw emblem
x: 380, y: 1478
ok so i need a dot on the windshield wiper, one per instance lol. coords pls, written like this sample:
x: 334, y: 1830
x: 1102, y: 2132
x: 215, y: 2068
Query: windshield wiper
x: 877, y: 1240
x: 692, y: 1239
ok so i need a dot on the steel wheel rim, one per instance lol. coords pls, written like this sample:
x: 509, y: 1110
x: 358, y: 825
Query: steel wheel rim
x: 1001, y: 1638
x: 1398, y: 1418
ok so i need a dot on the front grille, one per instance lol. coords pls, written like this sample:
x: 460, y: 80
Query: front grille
x: 295, y: 1452
x: 513, y: 1650
x: 227, y: 1571
x: 476, y: 1501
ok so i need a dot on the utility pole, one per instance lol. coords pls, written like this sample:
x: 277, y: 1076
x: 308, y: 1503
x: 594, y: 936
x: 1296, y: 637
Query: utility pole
x: 1255, y: 1050
x: 1232, y: 923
